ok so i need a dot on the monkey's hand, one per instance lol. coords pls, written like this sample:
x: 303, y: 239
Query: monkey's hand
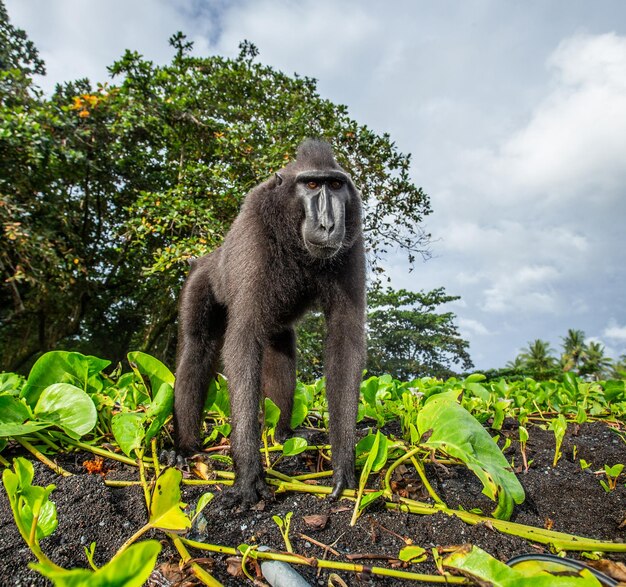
x: 343, y: 478
x: 246, y: 492
x: 172, y: 459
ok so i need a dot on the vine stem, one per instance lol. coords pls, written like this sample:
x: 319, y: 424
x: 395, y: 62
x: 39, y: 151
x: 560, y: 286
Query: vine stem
x: 116, y: 483
x: 132, y: 539
x: 198, y: 571
x: 58, y: 469
x: 325, y: 564
x: 155, y: 458
x: 102, y: 452
x: 27, y: 535
x: 142, y: 478
x: 560, y: 540
x: 420, y: 471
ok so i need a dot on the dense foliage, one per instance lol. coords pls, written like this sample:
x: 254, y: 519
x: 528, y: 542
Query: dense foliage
x: 106, y: 191
x: 586, y: 359
x: 75, y: 402
x: 408, y: 336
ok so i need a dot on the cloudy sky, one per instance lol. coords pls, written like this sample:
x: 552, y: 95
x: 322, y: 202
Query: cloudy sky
x: 515, y: 113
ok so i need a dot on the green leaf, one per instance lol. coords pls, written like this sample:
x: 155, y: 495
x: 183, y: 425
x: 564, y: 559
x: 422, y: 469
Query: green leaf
x: 36, y: 503
x: 272, y: 413
x: 380, y: 457
x: 50, y: 368
x: 222, y: 402
x: 412, y: 554
x: 376, y: 458
x: 614, y: 471
x: 165, y: 508
x: 615, y: 390
x: 10, y: 383
x: 128, y: 431
x: 130, y: 568
x: 204, y: 500
x: 475, y: 378
x: 457, y: 433
x: 68, y: 407
x: 477, y: 389
x: 294, y: 446
x: 476, y: 563
x: 300, y: 409
x: 369, y: 498
x: 559, y: 426
x: 211, y: 394
x: 60, y: 367
x: 27, y: 500
x: 13, y: 412
x: 157, y: 372
x: 160, y: 409
x: 369, y: 388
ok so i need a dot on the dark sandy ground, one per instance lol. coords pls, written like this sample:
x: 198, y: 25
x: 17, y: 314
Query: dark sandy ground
x: 565, y: 498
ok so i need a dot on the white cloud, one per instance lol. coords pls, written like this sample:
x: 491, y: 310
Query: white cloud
x: 78, y: 41
x: 615, y: 332
x: 527, y: 289
x: 576, y: 137
x: 468, y: 327
x: 309, y: 33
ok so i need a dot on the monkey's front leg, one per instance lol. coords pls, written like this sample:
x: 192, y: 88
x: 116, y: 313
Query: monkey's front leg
x: 242, y: 363
x: 345, y: 355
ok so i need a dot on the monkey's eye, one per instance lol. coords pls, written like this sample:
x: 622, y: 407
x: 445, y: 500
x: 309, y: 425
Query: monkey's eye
x: 335, y: 184
x: 312, y: 185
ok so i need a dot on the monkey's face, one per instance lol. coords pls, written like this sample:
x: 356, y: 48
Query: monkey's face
x: 323, y: 195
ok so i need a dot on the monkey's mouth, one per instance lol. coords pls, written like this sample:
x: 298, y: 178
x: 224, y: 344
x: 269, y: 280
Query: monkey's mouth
x: 322, y: 251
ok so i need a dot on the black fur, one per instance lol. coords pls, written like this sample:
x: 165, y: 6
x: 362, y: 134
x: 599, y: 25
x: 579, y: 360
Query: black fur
x: 291, y: 247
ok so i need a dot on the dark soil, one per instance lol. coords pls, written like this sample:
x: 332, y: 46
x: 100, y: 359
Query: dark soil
x: 565, y: 498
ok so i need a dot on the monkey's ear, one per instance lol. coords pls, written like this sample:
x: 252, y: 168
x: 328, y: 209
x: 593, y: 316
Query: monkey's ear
x: 279, y: 179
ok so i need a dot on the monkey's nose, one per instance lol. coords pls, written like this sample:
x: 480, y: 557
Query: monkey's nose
x: 327, y: 225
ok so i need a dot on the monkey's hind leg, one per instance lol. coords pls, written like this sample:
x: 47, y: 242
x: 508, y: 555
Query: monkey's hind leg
x: 243, y: 350
x: 202, y: 322
x: 279, y: 376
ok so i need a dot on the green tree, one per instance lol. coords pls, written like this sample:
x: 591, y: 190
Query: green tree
x: 408, y: 337
x: 517, y: 364
x: 538, y: 360
x: 618, y: 370
x: 19, y: 59
x: 596, y: 364
x: 574, y: 350
x: 311, y: 332
x: 106, y: 192
x: 36, y: 259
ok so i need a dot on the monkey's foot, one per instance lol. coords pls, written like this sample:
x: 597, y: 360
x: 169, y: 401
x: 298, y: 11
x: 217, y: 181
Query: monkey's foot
x: 342, y: 479
x: 246, y: 493
x: 171, y: 458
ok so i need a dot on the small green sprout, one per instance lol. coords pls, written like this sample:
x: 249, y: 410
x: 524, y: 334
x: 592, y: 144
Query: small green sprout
x: 283, y: 526
x: 558, y: 426
x: 612, y: 475
x: 523, y: 439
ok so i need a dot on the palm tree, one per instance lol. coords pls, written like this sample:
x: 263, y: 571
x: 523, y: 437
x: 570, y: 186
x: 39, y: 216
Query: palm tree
x: 595, y: 363
x: 538, y: 359
x: 517, y: 364
x: 574, y: 350
x: 618, y: 370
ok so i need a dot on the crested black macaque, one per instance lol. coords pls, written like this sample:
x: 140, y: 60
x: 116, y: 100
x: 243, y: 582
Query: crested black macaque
x: 297, y: 243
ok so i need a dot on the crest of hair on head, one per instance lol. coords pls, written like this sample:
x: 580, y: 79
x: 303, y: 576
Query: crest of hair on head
x: 317, y: 154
